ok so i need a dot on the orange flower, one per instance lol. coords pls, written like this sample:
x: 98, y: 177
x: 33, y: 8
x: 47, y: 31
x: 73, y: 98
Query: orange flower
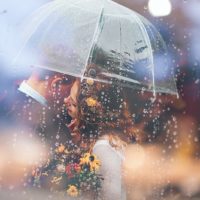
x: 91, y: 102
x: 72, y: 191
x: 60, y: 149
x: 90, y: 81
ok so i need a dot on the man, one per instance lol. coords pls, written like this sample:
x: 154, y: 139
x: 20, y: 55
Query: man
x: 44, y: 85
x: 33, y: 119
x: 38, y: 105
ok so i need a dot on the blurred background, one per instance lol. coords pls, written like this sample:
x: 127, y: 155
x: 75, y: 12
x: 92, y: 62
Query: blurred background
x: 167, y: 164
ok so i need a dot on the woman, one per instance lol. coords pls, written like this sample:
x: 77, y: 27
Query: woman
x: 100, y: 115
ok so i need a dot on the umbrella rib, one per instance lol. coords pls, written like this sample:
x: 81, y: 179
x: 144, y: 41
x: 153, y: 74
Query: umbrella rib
x: 149, y: 44
x: 94, y: 39
x: 120, y: 77
x: 120, y: 43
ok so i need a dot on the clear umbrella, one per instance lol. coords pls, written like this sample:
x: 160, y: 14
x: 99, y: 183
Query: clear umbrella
x: 97, y: 39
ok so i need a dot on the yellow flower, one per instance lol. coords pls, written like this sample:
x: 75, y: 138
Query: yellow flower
x: 91, y: 102
x: 94, y: 163
x: 72, y: 191
x: 60, y: 149
x: 91, y: 160
x: 90, y: 81
x: 85, y: 159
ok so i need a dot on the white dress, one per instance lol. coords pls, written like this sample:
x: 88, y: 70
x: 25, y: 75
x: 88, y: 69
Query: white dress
x: 111, y: 170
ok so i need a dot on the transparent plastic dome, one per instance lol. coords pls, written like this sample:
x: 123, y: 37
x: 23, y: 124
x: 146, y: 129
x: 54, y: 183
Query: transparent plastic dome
x: 99, y: 39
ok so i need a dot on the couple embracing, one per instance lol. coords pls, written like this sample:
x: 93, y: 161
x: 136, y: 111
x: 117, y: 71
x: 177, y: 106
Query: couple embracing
x: 100, y: 125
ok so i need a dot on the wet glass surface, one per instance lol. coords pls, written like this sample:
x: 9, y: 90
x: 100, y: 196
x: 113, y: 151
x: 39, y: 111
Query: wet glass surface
x: 130, y: 74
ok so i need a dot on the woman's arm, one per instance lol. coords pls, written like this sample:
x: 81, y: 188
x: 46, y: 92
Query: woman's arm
x: 110, y: 169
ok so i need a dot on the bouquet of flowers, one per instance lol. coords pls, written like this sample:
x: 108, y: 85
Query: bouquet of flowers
x: 70, y: 172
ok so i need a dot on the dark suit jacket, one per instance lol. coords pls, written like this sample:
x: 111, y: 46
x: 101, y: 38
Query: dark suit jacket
x: 24, y: 112
x: 24, y: 115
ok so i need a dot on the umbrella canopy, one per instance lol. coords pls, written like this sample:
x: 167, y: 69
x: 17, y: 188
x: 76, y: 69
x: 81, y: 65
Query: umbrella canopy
x: 99, y: 39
